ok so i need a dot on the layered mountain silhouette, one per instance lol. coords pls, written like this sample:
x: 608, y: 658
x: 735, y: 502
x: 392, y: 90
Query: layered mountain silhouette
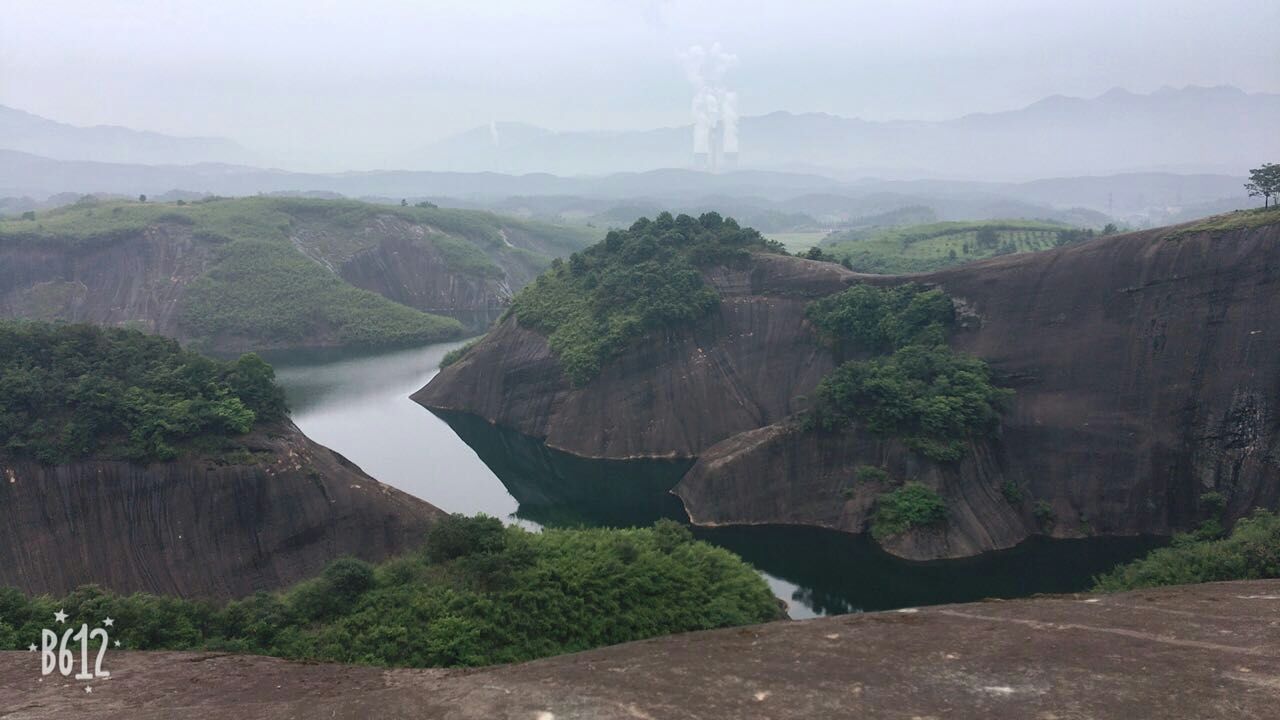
x: 1194, y: 129
x: 23, y: 131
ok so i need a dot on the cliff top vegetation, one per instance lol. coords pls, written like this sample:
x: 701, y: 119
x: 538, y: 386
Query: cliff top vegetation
x: 636, y: 280
x: 74, y: 391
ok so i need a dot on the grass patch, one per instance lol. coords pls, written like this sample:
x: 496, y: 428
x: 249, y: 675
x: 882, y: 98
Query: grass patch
x: 637, y: 280
x: 1227, y: 222
x: 478, y: 594
x: 923, y: 248
x: 913, y: 505
x: 456, y: 354
x: 72, y: 391
x: 798, y: 243
x: 1251, y: 552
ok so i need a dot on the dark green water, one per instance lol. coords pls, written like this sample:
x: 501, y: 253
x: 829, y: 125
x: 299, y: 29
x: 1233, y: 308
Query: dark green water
x: 359, y: 405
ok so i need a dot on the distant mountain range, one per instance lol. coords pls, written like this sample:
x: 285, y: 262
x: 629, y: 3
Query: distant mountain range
x: 29, y: 133
x: 757, y: 197
x: 1193, y: 129
x: 1215, y: 130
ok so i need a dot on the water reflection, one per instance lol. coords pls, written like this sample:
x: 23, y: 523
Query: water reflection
x: 834, y: 573
x: 359, y: 405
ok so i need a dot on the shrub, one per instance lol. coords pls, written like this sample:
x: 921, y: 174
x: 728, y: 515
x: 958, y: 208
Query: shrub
x: 1043, y: 513
x: 457, y: 536
x: 918, y: 389
x: 1213, y: 502
x: 1012, y: 492
x: 911, y: 506
x: 1251, y: 552
x: 931, y: 397
x: 457, y: 353
x: 871, y: 474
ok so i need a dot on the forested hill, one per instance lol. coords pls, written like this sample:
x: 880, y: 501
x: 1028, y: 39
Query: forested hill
x: 262, y: 273
x: 69, y: 392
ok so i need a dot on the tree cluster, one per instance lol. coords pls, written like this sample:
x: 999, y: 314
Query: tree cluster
x: 1264, y: 182
x: 71, y: 391
x: 635, y: 281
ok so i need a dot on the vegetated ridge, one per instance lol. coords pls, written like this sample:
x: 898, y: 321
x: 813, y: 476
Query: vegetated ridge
x: 264, y: 273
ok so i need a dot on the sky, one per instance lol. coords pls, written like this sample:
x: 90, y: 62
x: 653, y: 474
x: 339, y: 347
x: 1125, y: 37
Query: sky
x: 326, y: 85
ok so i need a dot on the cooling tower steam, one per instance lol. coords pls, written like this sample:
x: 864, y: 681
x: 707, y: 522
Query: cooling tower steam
x: 714, y: 108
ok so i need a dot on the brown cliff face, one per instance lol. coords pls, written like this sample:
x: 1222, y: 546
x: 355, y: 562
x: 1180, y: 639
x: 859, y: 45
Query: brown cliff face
x: 140, y: 277
x: 1142, y: 366
x: 199, y: 527
x: 134, y: 278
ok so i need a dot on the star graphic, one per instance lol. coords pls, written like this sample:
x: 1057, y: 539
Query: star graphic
x: 88, y: 689
x: 31, y: 647
x: 60, y: 616
x: 117, y: 644
x: 108, y: 622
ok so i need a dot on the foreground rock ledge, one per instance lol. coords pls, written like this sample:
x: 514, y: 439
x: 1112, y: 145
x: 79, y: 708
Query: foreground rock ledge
x: 1203, y: 651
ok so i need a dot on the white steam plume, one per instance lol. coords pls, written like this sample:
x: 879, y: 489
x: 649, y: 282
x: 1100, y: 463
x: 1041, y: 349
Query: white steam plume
x: 714, y: 107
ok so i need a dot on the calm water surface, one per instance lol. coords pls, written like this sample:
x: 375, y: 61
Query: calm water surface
x: 359, y: 405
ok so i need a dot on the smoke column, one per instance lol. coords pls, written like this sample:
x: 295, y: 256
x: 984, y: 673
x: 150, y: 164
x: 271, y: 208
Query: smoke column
x: 714, y: 107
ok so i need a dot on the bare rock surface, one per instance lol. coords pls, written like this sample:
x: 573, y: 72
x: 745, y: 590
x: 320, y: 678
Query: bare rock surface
x: 199, y: 526
x: 1205, y: 651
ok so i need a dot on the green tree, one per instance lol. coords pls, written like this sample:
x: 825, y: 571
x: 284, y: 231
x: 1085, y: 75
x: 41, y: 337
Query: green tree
x: 142, y: 198
x: 1265, y: 182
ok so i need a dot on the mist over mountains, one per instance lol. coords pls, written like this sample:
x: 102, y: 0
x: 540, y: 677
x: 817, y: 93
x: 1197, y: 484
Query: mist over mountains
x: 33, y: 134
x: 1193, y: 129
x: 1138, y: 159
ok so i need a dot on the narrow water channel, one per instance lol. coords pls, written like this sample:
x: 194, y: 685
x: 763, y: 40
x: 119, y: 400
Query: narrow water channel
x: 359, y: 405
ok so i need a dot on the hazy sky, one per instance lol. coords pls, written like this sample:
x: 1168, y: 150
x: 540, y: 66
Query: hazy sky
x: 328, y: 85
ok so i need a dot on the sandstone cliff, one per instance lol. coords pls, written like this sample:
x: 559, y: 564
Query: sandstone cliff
x: 1142, y: 364
x: 199, y: 526
x: 135, y: 268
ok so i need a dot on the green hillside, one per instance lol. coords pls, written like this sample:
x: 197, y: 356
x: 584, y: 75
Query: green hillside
x: 921, y: 248
x: 271, y: 276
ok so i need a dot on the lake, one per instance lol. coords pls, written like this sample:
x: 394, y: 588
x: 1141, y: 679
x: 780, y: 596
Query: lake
x: 359, y: 406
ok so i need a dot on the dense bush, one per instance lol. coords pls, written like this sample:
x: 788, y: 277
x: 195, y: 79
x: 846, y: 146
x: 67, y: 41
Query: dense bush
x: 1252, y: 551
x: 479, y: 594
x: 69, y: 391
x: 911, y: 506
x: 882, y: 319
x: 922, y: 392
x: 637, y: 280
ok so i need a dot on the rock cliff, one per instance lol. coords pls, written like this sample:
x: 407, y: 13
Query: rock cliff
x: 1143, y: 365
x: 199, y: 526
x: 135, y: 267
